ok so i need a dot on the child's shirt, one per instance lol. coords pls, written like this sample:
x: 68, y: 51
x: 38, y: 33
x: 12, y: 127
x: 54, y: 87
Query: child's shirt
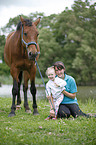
x: 52, y: 88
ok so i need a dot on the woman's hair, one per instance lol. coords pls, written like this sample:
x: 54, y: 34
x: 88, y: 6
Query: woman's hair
x: 50, y: 70
x: 59, y: 65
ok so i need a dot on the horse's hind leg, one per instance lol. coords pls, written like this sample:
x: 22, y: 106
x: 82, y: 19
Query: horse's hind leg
x: 18, y: 95
x: 14, y: 93
x: 25, y: 88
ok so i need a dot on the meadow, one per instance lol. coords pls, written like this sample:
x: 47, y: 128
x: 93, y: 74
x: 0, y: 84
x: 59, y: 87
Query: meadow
x: 27, y: 129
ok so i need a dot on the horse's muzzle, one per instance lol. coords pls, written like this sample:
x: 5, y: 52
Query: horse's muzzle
x: 32, y: 56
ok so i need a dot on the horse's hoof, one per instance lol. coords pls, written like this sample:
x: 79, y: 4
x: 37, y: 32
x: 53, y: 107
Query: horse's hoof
x: 11, y: 114
x: 18, y: 107
x: 35, y: 113
x: 28, y: 111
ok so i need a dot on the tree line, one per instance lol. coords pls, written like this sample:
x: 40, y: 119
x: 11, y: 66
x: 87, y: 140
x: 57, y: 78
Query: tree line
x: 69, y: 37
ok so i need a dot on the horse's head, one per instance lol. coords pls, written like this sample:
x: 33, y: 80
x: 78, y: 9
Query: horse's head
x: 29, y: 37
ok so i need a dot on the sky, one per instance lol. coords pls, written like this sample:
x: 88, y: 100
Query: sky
x: 12, y: 8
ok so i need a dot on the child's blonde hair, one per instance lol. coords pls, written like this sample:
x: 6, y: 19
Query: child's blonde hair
x: 49, y: 70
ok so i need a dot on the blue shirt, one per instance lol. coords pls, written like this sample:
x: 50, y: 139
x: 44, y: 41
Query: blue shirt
x: 71, y: 88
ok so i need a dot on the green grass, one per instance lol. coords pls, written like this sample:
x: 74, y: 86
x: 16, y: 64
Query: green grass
x: 26, y: 129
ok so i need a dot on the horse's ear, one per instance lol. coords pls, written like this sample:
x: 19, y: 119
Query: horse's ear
x: 37, y: 21
x: 22, y: 19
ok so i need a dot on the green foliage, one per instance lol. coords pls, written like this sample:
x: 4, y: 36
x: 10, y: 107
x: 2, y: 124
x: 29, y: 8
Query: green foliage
x: 48, y: 49
x: 69, y: 36
x: 4, y: 69
x: 11, y: 25
x: 2, y: 43
x: 78, y: 40
x: 6, y: 79
x: 28, y: 129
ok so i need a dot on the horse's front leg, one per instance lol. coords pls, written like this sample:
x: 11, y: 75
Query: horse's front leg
x: 14, y: 93
x: 15, y: 73
x: 33, y: 88
x: 18, y: 95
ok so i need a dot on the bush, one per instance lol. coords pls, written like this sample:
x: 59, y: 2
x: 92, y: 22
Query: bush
x: 4, y: 69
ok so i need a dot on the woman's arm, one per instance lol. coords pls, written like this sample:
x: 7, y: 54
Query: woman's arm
x: 70, y: 95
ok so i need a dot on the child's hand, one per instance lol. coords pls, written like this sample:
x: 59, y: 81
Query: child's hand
x: 52, y: 113
x: 48, y: 97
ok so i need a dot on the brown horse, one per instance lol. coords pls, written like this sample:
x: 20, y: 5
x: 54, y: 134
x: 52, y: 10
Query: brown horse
x: 20, y: 52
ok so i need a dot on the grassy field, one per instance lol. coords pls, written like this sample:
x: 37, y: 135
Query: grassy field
x: 26, y: 129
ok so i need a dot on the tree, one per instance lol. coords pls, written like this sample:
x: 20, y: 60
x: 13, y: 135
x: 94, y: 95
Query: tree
x: 49, y: 49
x: 75, y: 31
x: 2, y: 44
x: 11, y: 25
x: 70, y: 37
x: 85, y: 60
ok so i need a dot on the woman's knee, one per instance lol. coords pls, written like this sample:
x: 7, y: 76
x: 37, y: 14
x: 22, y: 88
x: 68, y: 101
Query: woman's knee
x: 63, y: 112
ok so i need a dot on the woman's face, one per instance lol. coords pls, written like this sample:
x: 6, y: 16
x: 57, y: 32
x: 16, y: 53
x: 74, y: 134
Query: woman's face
x: 59, y: 72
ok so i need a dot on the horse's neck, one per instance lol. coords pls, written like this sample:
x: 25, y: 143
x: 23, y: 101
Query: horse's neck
x: 18, y: 41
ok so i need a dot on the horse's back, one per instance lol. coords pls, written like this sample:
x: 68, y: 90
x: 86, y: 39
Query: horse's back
x: 7, y: 49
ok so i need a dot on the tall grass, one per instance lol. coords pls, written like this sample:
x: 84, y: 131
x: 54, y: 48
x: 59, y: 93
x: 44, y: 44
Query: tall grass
x: 27, y: 129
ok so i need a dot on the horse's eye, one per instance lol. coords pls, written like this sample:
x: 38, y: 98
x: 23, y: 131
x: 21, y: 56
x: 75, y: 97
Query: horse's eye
x: 25, y: 33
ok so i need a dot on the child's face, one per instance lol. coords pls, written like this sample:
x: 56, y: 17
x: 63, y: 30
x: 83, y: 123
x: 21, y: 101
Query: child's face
x: 51, y: 75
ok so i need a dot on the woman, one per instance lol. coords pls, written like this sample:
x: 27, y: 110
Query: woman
x: 69, y: 105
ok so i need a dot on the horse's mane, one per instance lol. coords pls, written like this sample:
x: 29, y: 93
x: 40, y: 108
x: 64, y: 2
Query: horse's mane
x: 27, y: 23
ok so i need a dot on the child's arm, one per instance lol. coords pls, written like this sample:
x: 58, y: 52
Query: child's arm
x: 52, y: 111
x: 60, y: 83
x: 57, y: 85
x: 50, y: 98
